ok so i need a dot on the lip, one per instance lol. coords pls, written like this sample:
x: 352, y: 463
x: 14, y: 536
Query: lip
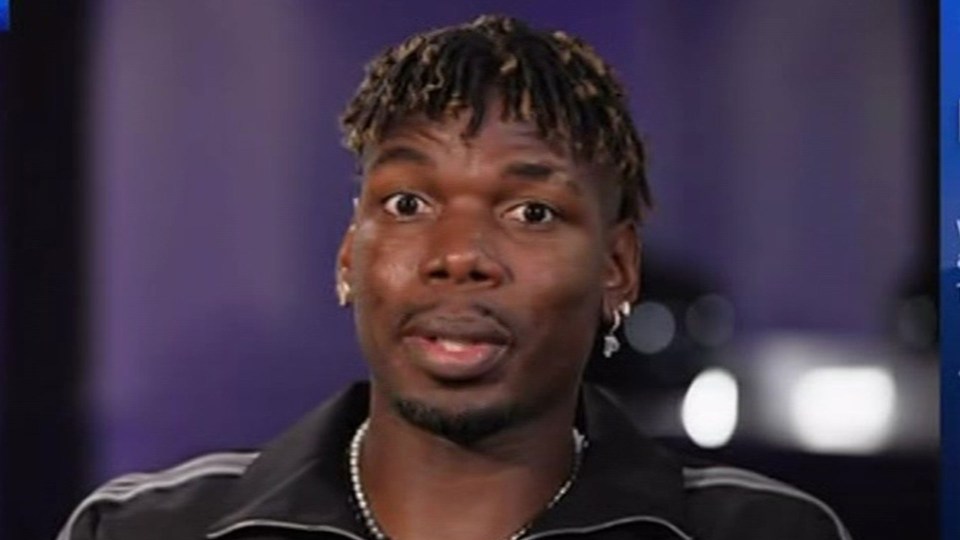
x: 456, y: 347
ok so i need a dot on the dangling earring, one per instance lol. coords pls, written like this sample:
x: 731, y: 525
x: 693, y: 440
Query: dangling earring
x: 610, y: 342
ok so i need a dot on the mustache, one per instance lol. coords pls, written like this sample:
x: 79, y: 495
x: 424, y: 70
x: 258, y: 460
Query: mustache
x: 441, y: 312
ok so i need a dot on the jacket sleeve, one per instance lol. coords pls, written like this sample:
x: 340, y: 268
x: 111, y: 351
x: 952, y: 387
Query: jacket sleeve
x: 82, y: 524
x: 726, y: 503
x: 738, y: 517
x: 817, y: 524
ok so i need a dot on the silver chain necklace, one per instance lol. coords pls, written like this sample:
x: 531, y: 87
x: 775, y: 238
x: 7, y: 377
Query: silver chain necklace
x: 370, y: 522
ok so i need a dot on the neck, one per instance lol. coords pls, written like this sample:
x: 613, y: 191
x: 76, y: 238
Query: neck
x: 419, y: 485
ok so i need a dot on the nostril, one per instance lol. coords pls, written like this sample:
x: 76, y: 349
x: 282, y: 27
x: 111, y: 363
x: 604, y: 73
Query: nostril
x: 439, y: 274
x: 477, y: 275
x: 462, y: 267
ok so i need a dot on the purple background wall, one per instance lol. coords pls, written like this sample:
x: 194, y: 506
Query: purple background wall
x: 785, y: 158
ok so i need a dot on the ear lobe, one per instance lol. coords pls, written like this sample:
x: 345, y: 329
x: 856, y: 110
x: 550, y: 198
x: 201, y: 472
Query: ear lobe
x: 344, y: 265
x: 622, y: 281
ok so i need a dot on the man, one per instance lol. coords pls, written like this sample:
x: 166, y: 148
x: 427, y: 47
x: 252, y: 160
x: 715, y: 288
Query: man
x: 492, y: 251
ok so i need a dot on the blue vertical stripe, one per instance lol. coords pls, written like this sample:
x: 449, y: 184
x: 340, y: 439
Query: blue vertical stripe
x: 4, y: 15
x: 950, y: 266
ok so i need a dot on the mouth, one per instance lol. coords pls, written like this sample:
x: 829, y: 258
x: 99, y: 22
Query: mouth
x: 457, y: 349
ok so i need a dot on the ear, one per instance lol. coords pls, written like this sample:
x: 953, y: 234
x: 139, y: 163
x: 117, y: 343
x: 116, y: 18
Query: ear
x: 622, y: 273
x: 342, y: 274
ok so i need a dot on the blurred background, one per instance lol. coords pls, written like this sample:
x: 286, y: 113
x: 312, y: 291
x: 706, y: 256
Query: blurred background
x: 174, y: 191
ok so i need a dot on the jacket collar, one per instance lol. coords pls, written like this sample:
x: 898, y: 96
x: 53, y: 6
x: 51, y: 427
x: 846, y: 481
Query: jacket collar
x: 300, y: 481
x: 623, y: 474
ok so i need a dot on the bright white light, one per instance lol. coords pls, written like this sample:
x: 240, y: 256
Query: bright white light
x: 709, y: 411
x: 843, y: 409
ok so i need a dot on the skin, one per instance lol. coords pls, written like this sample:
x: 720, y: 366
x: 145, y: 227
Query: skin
x: 498, y: 233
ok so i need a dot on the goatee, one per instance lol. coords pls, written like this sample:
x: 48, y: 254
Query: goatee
x: 465, y: 428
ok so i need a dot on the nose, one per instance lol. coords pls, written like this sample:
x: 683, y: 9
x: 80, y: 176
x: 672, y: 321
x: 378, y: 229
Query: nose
x: 460, y: 255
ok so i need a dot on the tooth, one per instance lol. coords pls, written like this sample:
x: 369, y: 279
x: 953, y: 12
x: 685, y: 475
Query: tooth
x: 453, y: 346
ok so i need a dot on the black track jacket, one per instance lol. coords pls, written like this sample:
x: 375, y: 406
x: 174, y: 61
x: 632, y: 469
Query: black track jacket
x: 298, y: 488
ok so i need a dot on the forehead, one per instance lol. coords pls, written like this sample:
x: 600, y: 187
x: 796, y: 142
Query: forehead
x: 492, y: 140
x: 462, y: 131
x: 500, y: 148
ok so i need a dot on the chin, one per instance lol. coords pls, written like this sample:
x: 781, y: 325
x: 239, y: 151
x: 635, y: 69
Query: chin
x: 463, y: 425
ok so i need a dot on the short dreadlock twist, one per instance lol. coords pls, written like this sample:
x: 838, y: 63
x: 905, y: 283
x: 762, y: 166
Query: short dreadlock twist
x: 553, y: 79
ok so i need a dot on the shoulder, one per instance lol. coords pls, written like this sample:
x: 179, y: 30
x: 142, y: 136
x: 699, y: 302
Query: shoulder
x: 736, y: 503
x: 170, y: 503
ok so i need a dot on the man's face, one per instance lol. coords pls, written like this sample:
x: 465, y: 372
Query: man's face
x: 480, y: 269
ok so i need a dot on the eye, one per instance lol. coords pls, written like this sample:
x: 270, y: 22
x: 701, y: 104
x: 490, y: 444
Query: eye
x: 405, y: 205
x: 533, y: 213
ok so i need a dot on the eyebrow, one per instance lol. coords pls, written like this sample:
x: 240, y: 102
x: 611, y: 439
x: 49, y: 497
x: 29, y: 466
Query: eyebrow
x: 398, y: 154
x: 524, y: 170
x: 540, y: 172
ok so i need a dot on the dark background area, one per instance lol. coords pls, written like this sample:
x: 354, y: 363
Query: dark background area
x: 43, y: 438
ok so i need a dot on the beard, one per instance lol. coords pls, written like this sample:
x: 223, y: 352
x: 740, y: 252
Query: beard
x: 466, y: 427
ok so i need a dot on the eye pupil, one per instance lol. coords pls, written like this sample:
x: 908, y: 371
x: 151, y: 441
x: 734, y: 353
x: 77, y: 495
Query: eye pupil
x: 407, y: 205
x: 535, y: 213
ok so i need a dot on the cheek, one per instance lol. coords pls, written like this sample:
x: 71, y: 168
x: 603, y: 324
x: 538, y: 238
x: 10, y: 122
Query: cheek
x: 563, y: 291
x: 382, y: 276
x: 565, y: 279
x: 382, y: 267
